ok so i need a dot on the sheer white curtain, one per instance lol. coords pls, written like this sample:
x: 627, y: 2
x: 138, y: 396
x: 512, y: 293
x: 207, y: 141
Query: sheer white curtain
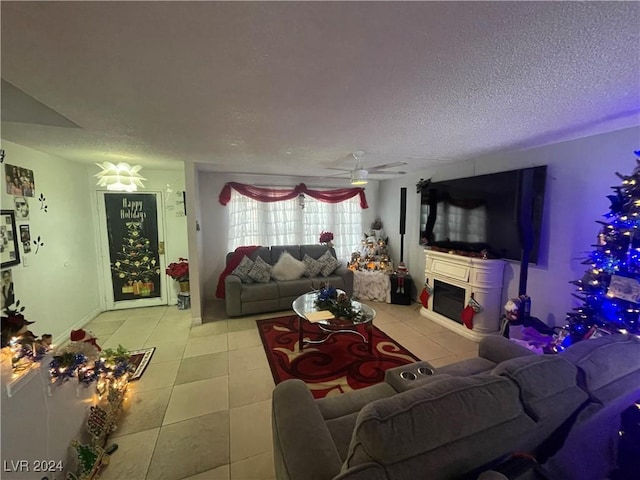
x: 285, y: 223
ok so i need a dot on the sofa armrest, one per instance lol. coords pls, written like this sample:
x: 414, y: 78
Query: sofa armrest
x: 347, y: 277
x: 497, y: 349
x: 232, y: 294
x: 303, y: 448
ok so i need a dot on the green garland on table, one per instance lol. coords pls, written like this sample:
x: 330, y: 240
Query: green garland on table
x: 340, y: 305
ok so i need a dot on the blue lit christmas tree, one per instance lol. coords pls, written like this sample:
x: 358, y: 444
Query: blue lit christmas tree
x: 610, y: 288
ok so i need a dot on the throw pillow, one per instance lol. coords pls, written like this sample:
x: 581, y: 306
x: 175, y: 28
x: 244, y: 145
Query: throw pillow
x: 243, y: 269
x: 312, y: 266
x: 261, y: 271
x: 329, y: 264
x: 288, y: 268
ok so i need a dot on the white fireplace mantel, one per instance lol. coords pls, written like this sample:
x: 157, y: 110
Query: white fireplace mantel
x: 482, y: 277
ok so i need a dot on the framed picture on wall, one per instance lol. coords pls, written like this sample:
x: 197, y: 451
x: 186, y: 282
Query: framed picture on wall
x: 9, y: 252
x: 20, y: 181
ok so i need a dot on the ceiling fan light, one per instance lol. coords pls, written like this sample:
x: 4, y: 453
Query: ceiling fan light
x: 359, y: 177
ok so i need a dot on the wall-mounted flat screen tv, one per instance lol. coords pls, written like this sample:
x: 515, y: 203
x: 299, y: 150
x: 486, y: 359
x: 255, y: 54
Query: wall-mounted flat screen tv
x: 499, y: 212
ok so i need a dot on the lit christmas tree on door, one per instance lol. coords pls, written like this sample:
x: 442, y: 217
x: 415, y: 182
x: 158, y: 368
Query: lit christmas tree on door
x: 610, y: 288
x: 136, y: 265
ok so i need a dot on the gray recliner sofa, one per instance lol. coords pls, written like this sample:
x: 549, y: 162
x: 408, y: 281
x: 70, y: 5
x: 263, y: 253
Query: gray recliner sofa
x: 462, y: 420
x: 250, y: 298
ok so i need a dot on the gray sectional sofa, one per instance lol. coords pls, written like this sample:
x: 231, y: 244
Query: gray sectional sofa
x: 466, y: 418
x: 249, y: 298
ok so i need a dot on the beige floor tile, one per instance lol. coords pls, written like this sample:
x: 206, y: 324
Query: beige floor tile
x: 244, y: 359
x: 250, y: 387
x: 102, y: 329
x: 131, y: 341
x: 384, y: 318
x: 103, y: 339
x: 400, y: 332
x: 175, y: 319
x: 194, y: 399
x: 454, y: 342
x: 244, y: 338
x: 165, y: 352
x: 167, y: 332
x: 239, y: 324
x: 204, y: 345
x: 259, y: 467
x: 424, y: 348
x: 172, y: 311
x: 424, y: 325
x: 141, y: 322
x: 143, y: 411
x: 133, y: 456
x: 149, y: 312
x: 207, y: 329
x: 132, y: 334
x: 250, y: 427
x: 191, y: 447
x: 220, y: 473
x: 157, y: 375
x: 112, y: 315
x: 193, y: 369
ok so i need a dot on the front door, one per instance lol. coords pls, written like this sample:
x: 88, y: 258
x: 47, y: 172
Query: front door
x: 131, y: 251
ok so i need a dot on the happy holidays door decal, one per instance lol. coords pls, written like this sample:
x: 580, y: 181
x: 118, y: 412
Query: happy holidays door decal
x: 132, y: 230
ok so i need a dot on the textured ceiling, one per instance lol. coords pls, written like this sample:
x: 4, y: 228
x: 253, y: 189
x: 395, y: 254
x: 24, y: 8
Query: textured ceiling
x: 294, y: 87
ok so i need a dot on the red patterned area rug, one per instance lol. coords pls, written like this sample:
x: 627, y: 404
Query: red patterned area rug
x: 340, y: 364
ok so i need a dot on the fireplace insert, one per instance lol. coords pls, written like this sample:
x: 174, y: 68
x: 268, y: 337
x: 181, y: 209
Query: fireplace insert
x: 448, y: 300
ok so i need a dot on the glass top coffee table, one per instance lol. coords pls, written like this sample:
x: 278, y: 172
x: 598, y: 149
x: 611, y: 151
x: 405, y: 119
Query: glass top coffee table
x: 306, y: 304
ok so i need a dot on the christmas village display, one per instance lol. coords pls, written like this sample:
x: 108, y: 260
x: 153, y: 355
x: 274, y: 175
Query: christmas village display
x: 372, y: 254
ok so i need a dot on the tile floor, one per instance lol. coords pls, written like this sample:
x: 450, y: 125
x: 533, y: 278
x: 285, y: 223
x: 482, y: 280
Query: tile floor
x: 202, y: 410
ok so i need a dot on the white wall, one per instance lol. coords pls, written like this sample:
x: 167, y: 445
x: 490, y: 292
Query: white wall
x: 579, y: 176
x: 58, y: 285
x: 213, y: 219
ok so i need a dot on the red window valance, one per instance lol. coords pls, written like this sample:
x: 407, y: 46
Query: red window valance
x: 263, y: 194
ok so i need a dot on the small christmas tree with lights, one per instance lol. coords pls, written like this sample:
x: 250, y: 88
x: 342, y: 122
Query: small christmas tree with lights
x: 610, y: 288
x: 136, y: 265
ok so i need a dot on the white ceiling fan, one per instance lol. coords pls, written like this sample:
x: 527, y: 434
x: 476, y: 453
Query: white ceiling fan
x: 360, y: 175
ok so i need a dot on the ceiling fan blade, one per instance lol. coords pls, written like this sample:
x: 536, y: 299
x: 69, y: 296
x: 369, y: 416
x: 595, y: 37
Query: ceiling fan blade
x: 385, y: 166
x: 338, y: 169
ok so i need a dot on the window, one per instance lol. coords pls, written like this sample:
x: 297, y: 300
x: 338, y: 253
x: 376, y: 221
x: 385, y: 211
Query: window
x: 285, y: 223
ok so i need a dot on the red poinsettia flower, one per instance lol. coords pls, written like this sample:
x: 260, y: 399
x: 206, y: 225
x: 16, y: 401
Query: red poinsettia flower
x: 326, y: 237
x: 179, y: 270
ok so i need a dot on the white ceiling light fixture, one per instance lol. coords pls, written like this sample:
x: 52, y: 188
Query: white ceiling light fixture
x: 122, y: 177
x: 359, y: 176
